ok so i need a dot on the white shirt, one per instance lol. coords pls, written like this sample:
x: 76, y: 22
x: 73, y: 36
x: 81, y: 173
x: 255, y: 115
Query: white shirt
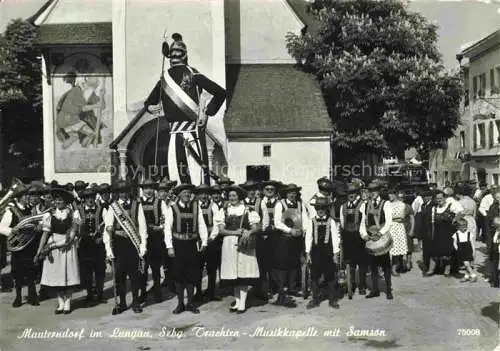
x: 239, y: 210
x: 485, y: 204
x: 334, y: 232
x: 278, y: 214
x: 169, y: 222
x: 214, y: 209
x: 109, y: 221
x: 387, y: 215
x: 455, y: 206
x: 461, y: 237
x: 358, y: 198
x: 5, y: 223
x: 417, y: 204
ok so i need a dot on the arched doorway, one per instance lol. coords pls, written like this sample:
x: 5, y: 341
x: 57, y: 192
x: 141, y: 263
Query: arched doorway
x: 157, y: 167
x: 141, y: 149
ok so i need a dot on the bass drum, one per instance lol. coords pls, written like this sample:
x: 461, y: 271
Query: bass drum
x: 378, y: 246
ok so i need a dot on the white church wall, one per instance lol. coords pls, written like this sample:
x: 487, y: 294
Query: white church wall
x: 300, y: 161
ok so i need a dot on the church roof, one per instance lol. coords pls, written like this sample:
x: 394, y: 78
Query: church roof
x: 301, y: 9
x: 274, y: 100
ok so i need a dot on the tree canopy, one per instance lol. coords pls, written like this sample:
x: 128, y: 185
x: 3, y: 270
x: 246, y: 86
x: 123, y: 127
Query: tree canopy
x: 382, y: 76
x: 21, y: 99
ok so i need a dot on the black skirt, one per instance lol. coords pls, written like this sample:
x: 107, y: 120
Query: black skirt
x: 186, y: 261
x: 442, y: 242
x: 353, y: 248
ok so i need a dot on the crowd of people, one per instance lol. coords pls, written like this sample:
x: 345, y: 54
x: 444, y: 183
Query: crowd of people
x: 254, y: 236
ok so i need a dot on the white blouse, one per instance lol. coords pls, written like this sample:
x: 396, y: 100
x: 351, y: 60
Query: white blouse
x: 238, y: 210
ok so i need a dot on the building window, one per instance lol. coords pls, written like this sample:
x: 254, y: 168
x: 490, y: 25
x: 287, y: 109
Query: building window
x: 495, y: 179
x: 446, y: 180
x: 462, y: 139
x: 482, y: 85
x: 491, y: 132
x: 266, y: 150
x: 258, y: 173
x: 492, y: 81
x: 480, y: 136
x: 474, y: 88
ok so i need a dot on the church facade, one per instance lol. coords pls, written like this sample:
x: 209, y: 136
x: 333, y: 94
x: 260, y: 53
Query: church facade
x: 101, y: 59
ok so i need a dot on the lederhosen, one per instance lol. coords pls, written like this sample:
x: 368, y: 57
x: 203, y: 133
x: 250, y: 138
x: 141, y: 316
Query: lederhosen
x: 287, y: 249
x: 91, y: 251
x: 185, y: 238
x: 353, y: 245
x: 24, y: 271
x: 127, y: 257
x: 322, y: 250
x: 156, y: 239
x: 372, y: 213
x: 211, y: 257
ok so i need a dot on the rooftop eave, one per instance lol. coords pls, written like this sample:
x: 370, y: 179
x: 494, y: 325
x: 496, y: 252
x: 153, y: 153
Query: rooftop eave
x: 482, y: 45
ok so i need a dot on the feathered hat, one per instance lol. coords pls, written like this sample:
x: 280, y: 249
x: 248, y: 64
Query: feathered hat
x: 177, y: 51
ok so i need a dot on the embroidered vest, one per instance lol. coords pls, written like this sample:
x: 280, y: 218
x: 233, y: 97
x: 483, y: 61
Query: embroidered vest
x: 152, y: 210
x: 352, y: 217
x: 90, y: 219
x: 233, y: 222
x: 185, y: 223
x: 61, y: 226
x: 208, y: 216
x: 321, y: 231
x: 253, y: 205
x: 374, y: 214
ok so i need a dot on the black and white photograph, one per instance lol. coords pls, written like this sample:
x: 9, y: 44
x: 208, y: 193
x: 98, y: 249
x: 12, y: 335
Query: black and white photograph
x: 249, y: 175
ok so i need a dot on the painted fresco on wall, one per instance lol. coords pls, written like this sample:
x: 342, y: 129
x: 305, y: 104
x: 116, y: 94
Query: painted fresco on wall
x: 83, y: 115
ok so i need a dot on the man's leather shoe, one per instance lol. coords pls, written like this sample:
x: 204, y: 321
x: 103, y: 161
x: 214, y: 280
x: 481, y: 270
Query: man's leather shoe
x: 192, y: 308
x: 17, y: 302
x: 334, y: 304
x: 362, y: 292
x: 136, y: 308
x: 372, y: 294
x: 389, y: 295
x: 179, y: 309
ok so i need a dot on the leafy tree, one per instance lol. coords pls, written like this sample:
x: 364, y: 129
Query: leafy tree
x: 382, y: 76
x: 21, y: 97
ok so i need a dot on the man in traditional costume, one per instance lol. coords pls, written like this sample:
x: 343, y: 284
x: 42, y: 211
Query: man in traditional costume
x: 290, y: 219
x: 264, y: 244
x: 211, y: 257
x: 353, y: 246
x: 91, y: 251
x: 376, y: 220
x: 179, y: 92
x: 125, y: 240
x: 155, y: 211
x: 325, y: 189
x: 165, y: 187
x: 184, y: 228
x: 322, y: 245
x: 23, y: 268
x: 252, y: 201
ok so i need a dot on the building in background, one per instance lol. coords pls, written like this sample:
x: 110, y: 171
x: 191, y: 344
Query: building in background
x: 108, y: 55
x: 474, y: 152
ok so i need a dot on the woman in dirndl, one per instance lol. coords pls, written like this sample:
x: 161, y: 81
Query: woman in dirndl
x: 398, y: 233
x: 442, y: 229
x: 238, y: 226
x: 58, y: 249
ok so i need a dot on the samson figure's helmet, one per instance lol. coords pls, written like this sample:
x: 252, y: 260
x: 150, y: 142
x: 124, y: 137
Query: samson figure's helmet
x: 177, y: 51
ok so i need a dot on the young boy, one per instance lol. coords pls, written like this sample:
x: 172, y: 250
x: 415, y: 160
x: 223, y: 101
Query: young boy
x: 464, y: 249
x: 322, y: 243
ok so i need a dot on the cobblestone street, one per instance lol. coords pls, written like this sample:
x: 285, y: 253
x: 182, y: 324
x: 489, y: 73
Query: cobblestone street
x: 426, y: 314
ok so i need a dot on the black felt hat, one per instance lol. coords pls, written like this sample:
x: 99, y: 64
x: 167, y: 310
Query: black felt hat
x: 66, y: 195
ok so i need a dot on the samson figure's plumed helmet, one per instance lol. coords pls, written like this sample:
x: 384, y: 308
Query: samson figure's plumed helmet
x: 176, y: 52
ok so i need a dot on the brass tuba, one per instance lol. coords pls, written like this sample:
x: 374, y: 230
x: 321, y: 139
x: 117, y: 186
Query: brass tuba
x: 292, y: 218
